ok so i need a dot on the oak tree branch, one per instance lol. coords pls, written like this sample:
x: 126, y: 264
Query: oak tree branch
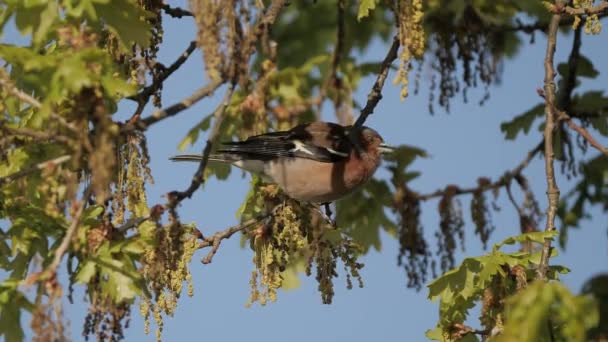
x: 550, y: 124
x: 215, y: 240
x: 40, y: 166
x: 375, y: 94
x: 503, y: 181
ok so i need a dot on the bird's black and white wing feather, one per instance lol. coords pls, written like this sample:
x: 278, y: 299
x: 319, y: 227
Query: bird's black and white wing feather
x: 326, y: 143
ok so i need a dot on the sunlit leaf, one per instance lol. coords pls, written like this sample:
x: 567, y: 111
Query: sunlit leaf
x: 365, y: 7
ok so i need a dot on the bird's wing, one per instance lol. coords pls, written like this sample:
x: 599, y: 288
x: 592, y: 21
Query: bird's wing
x: 325, y: 143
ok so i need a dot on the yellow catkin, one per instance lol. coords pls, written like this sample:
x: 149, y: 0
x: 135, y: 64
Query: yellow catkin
x: 592, y: 22
x: 165, y: 266
x: 412, y: 39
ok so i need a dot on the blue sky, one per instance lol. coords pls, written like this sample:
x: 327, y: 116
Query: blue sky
x: 463, y: 145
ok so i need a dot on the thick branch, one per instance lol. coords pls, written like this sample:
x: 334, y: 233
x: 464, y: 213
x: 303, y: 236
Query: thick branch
x: 376, y: 93
x: 550, y: 121
x: 32, y: 169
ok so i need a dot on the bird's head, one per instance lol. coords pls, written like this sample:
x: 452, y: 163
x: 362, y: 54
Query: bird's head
x: 369, y: 141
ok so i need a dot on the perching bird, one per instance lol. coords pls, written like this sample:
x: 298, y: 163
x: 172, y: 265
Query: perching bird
x: 318, y: 162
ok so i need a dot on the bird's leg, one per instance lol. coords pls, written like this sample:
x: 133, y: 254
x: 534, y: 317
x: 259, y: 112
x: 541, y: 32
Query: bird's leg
x: 327, y: 215
x: 327, y: 207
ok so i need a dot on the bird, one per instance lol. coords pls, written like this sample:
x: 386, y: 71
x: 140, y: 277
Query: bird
x: 317, y: 162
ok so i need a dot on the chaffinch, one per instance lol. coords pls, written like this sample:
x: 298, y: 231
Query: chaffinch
x: 316, y: 162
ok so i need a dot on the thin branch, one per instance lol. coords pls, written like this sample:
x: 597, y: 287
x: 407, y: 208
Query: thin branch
x: 6, y: 82
x: 332, y: 79
x: 583, y: 132
x: 540, y: 25
x: 215, y: 240
x: 132, y: 223
x: 176, y: 12
x: 142, y: 124
x: 503, y: 181
x: 172, y: 110
x: 40, y: 166
x: 198, y: 178
x: 69, y: 234
x: 520, y: 211
x: 564, y: 95
x: 144, y: 95
x: 375, y: 94
x: 337, y: 55
x: 38, y: 135
x: 265, y: 20
x: 550, y: 121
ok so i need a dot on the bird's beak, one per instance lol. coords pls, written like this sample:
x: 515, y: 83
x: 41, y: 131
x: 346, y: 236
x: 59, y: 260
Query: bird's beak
x: 384, y: 148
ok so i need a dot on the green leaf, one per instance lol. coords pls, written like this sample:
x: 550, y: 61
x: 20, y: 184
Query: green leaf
x: 600, y: 123
x: 399, y: 160
x: 460, y: 288
x: 194, y: 132
x: 127, y: 20
x: 548, y: 305
x: 522, y: 122
x: 365, y: 7
x: 591, y: 101
x: 584, y: 68
x: 291, y: 275
x: 435, y: 334
x: 538, y: 237
x: 362, y: 214
x: 134, y: 246
x: 85, y: 272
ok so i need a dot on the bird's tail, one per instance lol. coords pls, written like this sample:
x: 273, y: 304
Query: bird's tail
x: 220, y: 157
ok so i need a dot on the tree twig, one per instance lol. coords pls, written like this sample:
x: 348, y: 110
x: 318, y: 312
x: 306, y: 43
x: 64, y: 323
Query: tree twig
x: 540, y: 25
x: 173, y: 109
x: 215, y: 240
x: 38, y: 135
x: 40, y: 166
x: 144, y: 95
x: 375, y: 94
x: 176, y: 12
x: 7, y: 84
x: 550, y: 120
x: 332, y: 79
x: 583, y: 132
x: 69, y: 234
x: 503, y: 181
x: 198, y: 178
x: 564, y: 94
